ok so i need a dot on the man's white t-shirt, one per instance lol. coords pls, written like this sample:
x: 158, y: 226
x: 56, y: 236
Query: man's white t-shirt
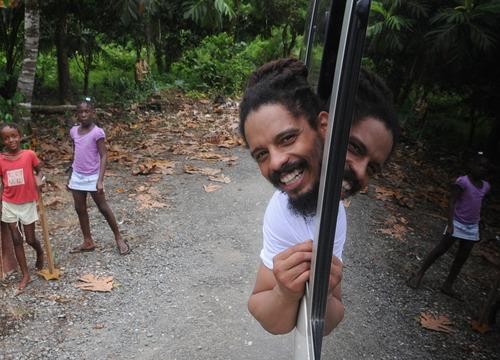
x: 283, y: 229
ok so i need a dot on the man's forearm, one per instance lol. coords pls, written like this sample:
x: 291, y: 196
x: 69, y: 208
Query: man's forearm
x: 334, y: 314
x: 276, y: 314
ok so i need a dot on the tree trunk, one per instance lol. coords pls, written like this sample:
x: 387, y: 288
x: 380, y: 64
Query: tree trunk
x: 472, y: 128
x: 62, y: 59
x: 86, y: 75
x: 10, y: 28
x: 26, y: 80
x: 158, y: 49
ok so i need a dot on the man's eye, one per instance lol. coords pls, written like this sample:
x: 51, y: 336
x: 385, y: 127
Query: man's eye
x: 260, y: 156
x: 354, y: 148
x: 289, y: 139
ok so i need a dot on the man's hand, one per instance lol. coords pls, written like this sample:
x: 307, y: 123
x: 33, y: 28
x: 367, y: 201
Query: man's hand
x: 276, y: 295
x: 334, y: 307
x: 291, y: 269
x: 335, y: 275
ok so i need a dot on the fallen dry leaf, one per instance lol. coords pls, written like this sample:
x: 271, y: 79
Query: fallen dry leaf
x: 150, y: 166
x: 220, y: 178
x: 211, y: 187
x: 50, y: 201
x: 433, y: 322
x: 90, y: 282
x: 383, y: 193
x: 208, y: 155
x: 395, y: 227
x: 480, y: 327
x: 191, y: 169
x: 146, y: 201
x: 492, y: 257
x: 145, y: 168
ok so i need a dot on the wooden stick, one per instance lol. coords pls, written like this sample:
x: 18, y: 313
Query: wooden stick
x: 2, y: 275
x: 45, y: 233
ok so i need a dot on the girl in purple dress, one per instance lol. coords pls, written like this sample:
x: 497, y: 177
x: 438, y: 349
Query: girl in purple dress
x: 87, y: 176
x: 466, y: 198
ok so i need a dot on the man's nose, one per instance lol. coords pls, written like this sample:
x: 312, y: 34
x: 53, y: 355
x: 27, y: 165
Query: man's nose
x: 277, y: 159
x: 360, y: 169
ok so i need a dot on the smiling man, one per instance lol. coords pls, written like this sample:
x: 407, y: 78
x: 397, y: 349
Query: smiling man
x: 284, y: 126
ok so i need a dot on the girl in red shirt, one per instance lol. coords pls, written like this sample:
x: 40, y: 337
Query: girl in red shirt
x: 19, y: 195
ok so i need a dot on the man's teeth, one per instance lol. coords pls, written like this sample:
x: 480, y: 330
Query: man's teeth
x: 346, y: 185
x: 290, y: 177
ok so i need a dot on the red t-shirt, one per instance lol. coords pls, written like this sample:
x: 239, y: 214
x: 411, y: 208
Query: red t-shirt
x: 18, y: 179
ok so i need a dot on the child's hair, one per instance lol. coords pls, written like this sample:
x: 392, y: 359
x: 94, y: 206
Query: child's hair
x: 86, y: 101
x: 11, y: 125
x: 477, y: 158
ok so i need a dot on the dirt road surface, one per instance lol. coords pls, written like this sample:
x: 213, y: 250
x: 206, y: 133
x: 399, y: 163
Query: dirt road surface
x: 182, y: 292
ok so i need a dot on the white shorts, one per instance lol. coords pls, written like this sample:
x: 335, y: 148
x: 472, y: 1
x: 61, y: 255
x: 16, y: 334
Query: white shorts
x: 465, y: 231
x: 83, y: 182
x: 26, y: 212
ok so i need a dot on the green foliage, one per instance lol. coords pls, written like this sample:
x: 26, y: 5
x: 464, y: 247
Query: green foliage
x: 208, y: 13
x: 261, y: 50
x: 7, y: 108
x: 217, y: 65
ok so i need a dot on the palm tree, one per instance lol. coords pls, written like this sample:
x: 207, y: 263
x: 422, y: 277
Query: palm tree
x: 26, y: 80
x: 208, y: 13
x: 394, y: 42
x: 464, y: 38
x: 465, y: 31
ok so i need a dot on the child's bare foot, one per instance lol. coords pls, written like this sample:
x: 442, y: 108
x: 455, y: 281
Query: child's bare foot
x: 448, y: 290
x: 24, y: 281
x: 414, y: 281
x: 86, y: 246
x: 39, y: 261
x: 123, y: 247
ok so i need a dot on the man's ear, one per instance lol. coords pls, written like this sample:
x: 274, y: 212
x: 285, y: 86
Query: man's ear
x: 322, y: 123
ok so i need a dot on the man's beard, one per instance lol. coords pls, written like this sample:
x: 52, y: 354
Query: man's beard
x: 305, y: 204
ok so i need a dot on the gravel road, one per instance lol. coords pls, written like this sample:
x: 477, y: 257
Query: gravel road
x: 182, y: 292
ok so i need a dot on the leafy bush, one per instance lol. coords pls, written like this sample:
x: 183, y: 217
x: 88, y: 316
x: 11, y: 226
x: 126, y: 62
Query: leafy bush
x: 261, y: 50
x: 217, y: 65
x: 7, y: 108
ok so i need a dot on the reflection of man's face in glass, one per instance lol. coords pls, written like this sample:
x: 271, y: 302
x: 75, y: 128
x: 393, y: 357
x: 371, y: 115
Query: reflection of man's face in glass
x: 370, y: 144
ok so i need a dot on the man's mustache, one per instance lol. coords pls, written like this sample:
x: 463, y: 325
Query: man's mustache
x: 350, y: 177
x: 288, y: 167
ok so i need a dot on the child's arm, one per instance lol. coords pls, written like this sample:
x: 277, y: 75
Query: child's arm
x: 39, y: 178
x: 1, y: 195
x: 484, y: 213
x: 69, y: 170
x: 103, y: 153
x: 455, y: 192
